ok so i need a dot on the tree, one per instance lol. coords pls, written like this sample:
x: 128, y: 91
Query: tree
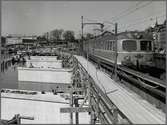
x: 89, y: 36
x: 57, y: 34
x: 69, y: 36
x: 3, y: 41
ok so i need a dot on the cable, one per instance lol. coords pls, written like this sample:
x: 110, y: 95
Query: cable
x: 127, y: 9
x: 134, y: 10
x: 114, y: 17
x: 100, y: 82
x: 96, y: 73
x: 140, y: 21
x: 157, y: 13
x: 91, y: 20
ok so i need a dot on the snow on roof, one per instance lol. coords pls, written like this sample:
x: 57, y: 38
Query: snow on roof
x: 45, y: 75
x: 44, y: 64
x: 43, y: 111
x: 44, y: 57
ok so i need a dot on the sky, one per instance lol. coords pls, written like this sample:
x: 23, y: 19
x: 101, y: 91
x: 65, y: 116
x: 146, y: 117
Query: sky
x: 39, y: 17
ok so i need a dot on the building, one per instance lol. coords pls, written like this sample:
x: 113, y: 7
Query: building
x: 159, y: 34
x: 13, y: 40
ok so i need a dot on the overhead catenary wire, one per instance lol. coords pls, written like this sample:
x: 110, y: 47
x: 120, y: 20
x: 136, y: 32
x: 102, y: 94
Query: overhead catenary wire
x: 141, y: 22
x: 132, y: 11
x: 100, y: 82
x: 93, y: 20
x: 138, y: 3
x: 90, y: 20
x: 157, y: 13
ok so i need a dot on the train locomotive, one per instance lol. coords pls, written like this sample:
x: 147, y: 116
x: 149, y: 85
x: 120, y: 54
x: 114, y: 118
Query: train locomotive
x: 132, y: 51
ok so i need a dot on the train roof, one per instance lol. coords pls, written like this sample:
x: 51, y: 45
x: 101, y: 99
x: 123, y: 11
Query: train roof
x: 123, y: 35
x: 134, y: 35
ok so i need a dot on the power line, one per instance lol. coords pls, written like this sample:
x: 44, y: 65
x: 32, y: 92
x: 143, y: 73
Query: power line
x: 134, y: 10
x: 127, y: 9
x: 91, y: 20
x: 157, y: 13
x: 141, y: 21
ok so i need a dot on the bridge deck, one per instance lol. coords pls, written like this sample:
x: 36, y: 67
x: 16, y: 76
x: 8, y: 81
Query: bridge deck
x: 132, y: 107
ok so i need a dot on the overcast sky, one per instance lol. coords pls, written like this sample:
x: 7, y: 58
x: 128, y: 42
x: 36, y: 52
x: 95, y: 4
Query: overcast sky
x: 38, y: 17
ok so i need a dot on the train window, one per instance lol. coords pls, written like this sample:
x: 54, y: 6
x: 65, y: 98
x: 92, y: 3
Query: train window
x: 145, y: 45
x: 102, y: 45
x: 108, y: 45
x: 114, y: 46
x: 111, y: 45
x: 105, y: 45
x: 129, y: 45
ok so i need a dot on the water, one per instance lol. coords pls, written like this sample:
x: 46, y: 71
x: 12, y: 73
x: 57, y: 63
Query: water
x: 9, y: 77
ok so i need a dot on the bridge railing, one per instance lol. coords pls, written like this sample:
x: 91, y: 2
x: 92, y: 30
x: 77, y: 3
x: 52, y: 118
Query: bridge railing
x: 102, y: 108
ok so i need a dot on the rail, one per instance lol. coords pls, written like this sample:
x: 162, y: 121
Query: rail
x: 158, y: 85
x: 136, y: 73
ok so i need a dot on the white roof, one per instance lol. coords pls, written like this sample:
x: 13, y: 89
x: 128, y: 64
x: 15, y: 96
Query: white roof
x: 45, y: 75
x: 43, y: 58
x: 44, y: 64
x: 44, y: 112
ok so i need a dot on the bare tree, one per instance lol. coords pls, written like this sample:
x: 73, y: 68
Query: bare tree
x: 69, y: 36
x: 57, y: 34
x: 89, y: 36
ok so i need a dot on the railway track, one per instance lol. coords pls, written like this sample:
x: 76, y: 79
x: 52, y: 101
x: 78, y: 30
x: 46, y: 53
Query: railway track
x: 150, y: 85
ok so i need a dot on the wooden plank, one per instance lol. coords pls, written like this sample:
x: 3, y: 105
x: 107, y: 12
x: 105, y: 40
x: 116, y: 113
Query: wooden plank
x: 75, y: 109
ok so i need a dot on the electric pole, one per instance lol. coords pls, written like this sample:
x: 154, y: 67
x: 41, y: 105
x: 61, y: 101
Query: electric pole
x: 81, y: 35
x: 82, y: 26
x: 116, y: 52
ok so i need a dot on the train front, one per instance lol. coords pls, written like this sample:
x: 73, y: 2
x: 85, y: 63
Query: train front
x: 136, y: 53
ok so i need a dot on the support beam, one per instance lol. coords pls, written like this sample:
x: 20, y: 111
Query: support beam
x: 71, y: 104
x: 76, y: 113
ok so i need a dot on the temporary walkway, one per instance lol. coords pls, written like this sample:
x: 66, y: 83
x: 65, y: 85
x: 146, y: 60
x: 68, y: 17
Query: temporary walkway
x: 121, y: 98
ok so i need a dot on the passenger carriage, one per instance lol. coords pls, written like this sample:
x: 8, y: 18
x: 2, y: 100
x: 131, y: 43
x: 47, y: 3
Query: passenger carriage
x: 131, y: 52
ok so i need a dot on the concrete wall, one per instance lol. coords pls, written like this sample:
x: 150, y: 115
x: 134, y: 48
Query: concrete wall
x: 36, y: 86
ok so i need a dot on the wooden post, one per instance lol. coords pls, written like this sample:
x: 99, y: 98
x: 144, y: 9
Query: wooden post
x: 77, y: 113
x: 93, y: 117
x: 82, y: 26
x: 116, y: 52
x: 18, y: 119
x: 115, y: 115
x: 71, y: 104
